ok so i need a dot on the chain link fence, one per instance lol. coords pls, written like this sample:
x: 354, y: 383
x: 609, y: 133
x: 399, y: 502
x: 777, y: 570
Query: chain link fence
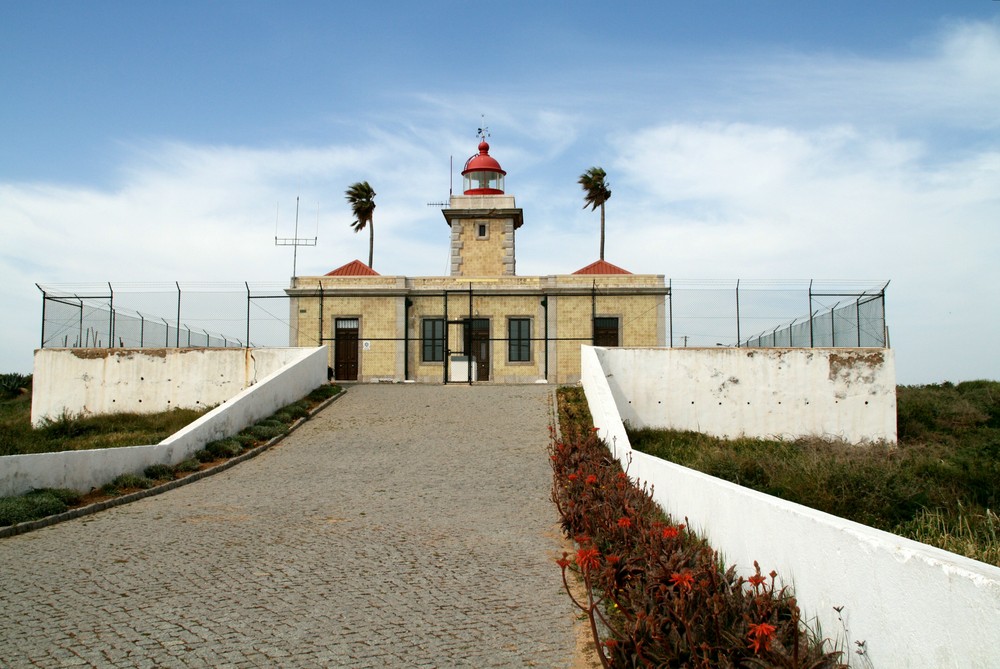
x: 175, y: 315
x: 699, y: 314
x: 795, y: 314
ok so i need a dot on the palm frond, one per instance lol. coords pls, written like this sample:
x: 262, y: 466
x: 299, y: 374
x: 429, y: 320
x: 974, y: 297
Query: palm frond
x: 361, y: 197
x: 595, y: 186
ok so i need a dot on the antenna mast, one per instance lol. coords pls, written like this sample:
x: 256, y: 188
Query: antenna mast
x: 296, y: 241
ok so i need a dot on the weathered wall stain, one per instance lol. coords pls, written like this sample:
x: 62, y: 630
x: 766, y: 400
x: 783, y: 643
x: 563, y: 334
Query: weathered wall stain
x: 851, y: 367
x: 97, y: 353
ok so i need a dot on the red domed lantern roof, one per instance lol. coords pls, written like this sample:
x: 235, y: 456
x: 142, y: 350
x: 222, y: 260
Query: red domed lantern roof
x: 482, y: 161
x: 483, y: 174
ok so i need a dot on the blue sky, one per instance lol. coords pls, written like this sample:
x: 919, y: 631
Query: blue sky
x: 756, y: 140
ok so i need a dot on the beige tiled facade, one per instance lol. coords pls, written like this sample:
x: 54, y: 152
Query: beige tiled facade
x: 560, y: 310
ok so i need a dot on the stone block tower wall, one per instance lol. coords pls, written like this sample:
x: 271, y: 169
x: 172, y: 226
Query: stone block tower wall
x: 482, y: 247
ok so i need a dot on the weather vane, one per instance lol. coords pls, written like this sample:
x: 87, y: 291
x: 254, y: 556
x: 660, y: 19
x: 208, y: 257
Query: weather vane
x: 483, y: 132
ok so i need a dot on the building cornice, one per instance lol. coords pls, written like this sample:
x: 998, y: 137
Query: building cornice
x: 463, y: 214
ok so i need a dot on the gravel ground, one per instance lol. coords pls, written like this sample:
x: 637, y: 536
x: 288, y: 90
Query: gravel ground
x: 403, y: 526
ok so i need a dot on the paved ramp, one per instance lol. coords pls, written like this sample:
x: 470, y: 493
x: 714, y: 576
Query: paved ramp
x: 404, y: 526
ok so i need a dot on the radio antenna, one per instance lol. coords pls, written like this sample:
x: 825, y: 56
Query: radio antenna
x: 296, y: 241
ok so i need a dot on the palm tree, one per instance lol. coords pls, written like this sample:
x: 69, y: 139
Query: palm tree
x: 362, y: 199
x: 597, y: 193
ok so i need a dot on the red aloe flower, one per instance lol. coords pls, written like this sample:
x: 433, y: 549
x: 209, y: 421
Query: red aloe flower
x: 595, y: 429
x: 563, y: 562
x: 684, y: 580
x: 588, y: 558
x: 592, y: 478
x: 669, y: 532
x: 760, y: 637
x: 625, y: 522
x: 756, y: 580
x: 572, y: 477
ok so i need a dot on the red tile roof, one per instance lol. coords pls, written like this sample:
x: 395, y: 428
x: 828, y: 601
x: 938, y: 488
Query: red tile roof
x: 602, y: 267
x: 353, y: 268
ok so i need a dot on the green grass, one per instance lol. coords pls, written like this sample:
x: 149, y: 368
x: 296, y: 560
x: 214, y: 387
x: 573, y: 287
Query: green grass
x: 939, y: 485
x: 69, y: 433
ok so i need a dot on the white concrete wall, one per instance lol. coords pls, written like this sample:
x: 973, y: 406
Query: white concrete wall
x: 832, y: 393
x: 912, y: 605
x: 100, y: 381
x: 83, y: 470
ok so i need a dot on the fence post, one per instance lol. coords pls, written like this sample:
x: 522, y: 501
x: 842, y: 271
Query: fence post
x: 670, y: 298
x: 885, y: 328
x: 111, y: 317
x: 247, y: 284
x: 593, y: 314
x: 320, y: 333
x: 545, y: 306
x: 812, y: 339
x: 737, y: 313
x: 447, y: 339
x: 177, y: 340
x: 857, y: 314
x: 142, y: 331
x: 833, y: 325
x: 44, y: 300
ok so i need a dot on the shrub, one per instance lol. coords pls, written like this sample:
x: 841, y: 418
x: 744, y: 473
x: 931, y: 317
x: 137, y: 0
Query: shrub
x: 204, y: 455
x: 36, y: 504
x: 246, y: 440
x: 322, y: 393
x: 125, y: 482
x: 65, y: 426
x: 266, y: 432
x: 224, y: 448
x: 298, y: 409
x: 159, y: 472
x: 64, y: 495
x: 189, y: 465
x: 12, y: 384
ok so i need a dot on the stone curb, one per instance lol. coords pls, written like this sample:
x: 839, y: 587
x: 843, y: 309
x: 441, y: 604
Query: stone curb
x: 28, y: 526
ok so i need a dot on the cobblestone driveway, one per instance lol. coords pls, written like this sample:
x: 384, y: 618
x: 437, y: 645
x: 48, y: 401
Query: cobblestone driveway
x: 405, y: 526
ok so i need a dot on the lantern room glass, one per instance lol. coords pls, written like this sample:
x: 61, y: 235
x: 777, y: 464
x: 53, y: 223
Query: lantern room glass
x: 483, y: 180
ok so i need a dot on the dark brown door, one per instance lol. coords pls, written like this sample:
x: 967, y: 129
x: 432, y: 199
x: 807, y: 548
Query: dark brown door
x: 345, y: 350
x: 477, y: 344
x: 606, y: 331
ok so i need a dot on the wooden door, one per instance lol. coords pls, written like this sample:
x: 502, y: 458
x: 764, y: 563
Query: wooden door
x: 345, y: 350
x: 477, y: 344
x: 606, y: 331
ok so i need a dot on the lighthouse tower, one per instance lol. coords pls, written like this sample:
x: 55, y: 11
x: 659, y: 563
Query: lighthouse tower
x: 483, y: 220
